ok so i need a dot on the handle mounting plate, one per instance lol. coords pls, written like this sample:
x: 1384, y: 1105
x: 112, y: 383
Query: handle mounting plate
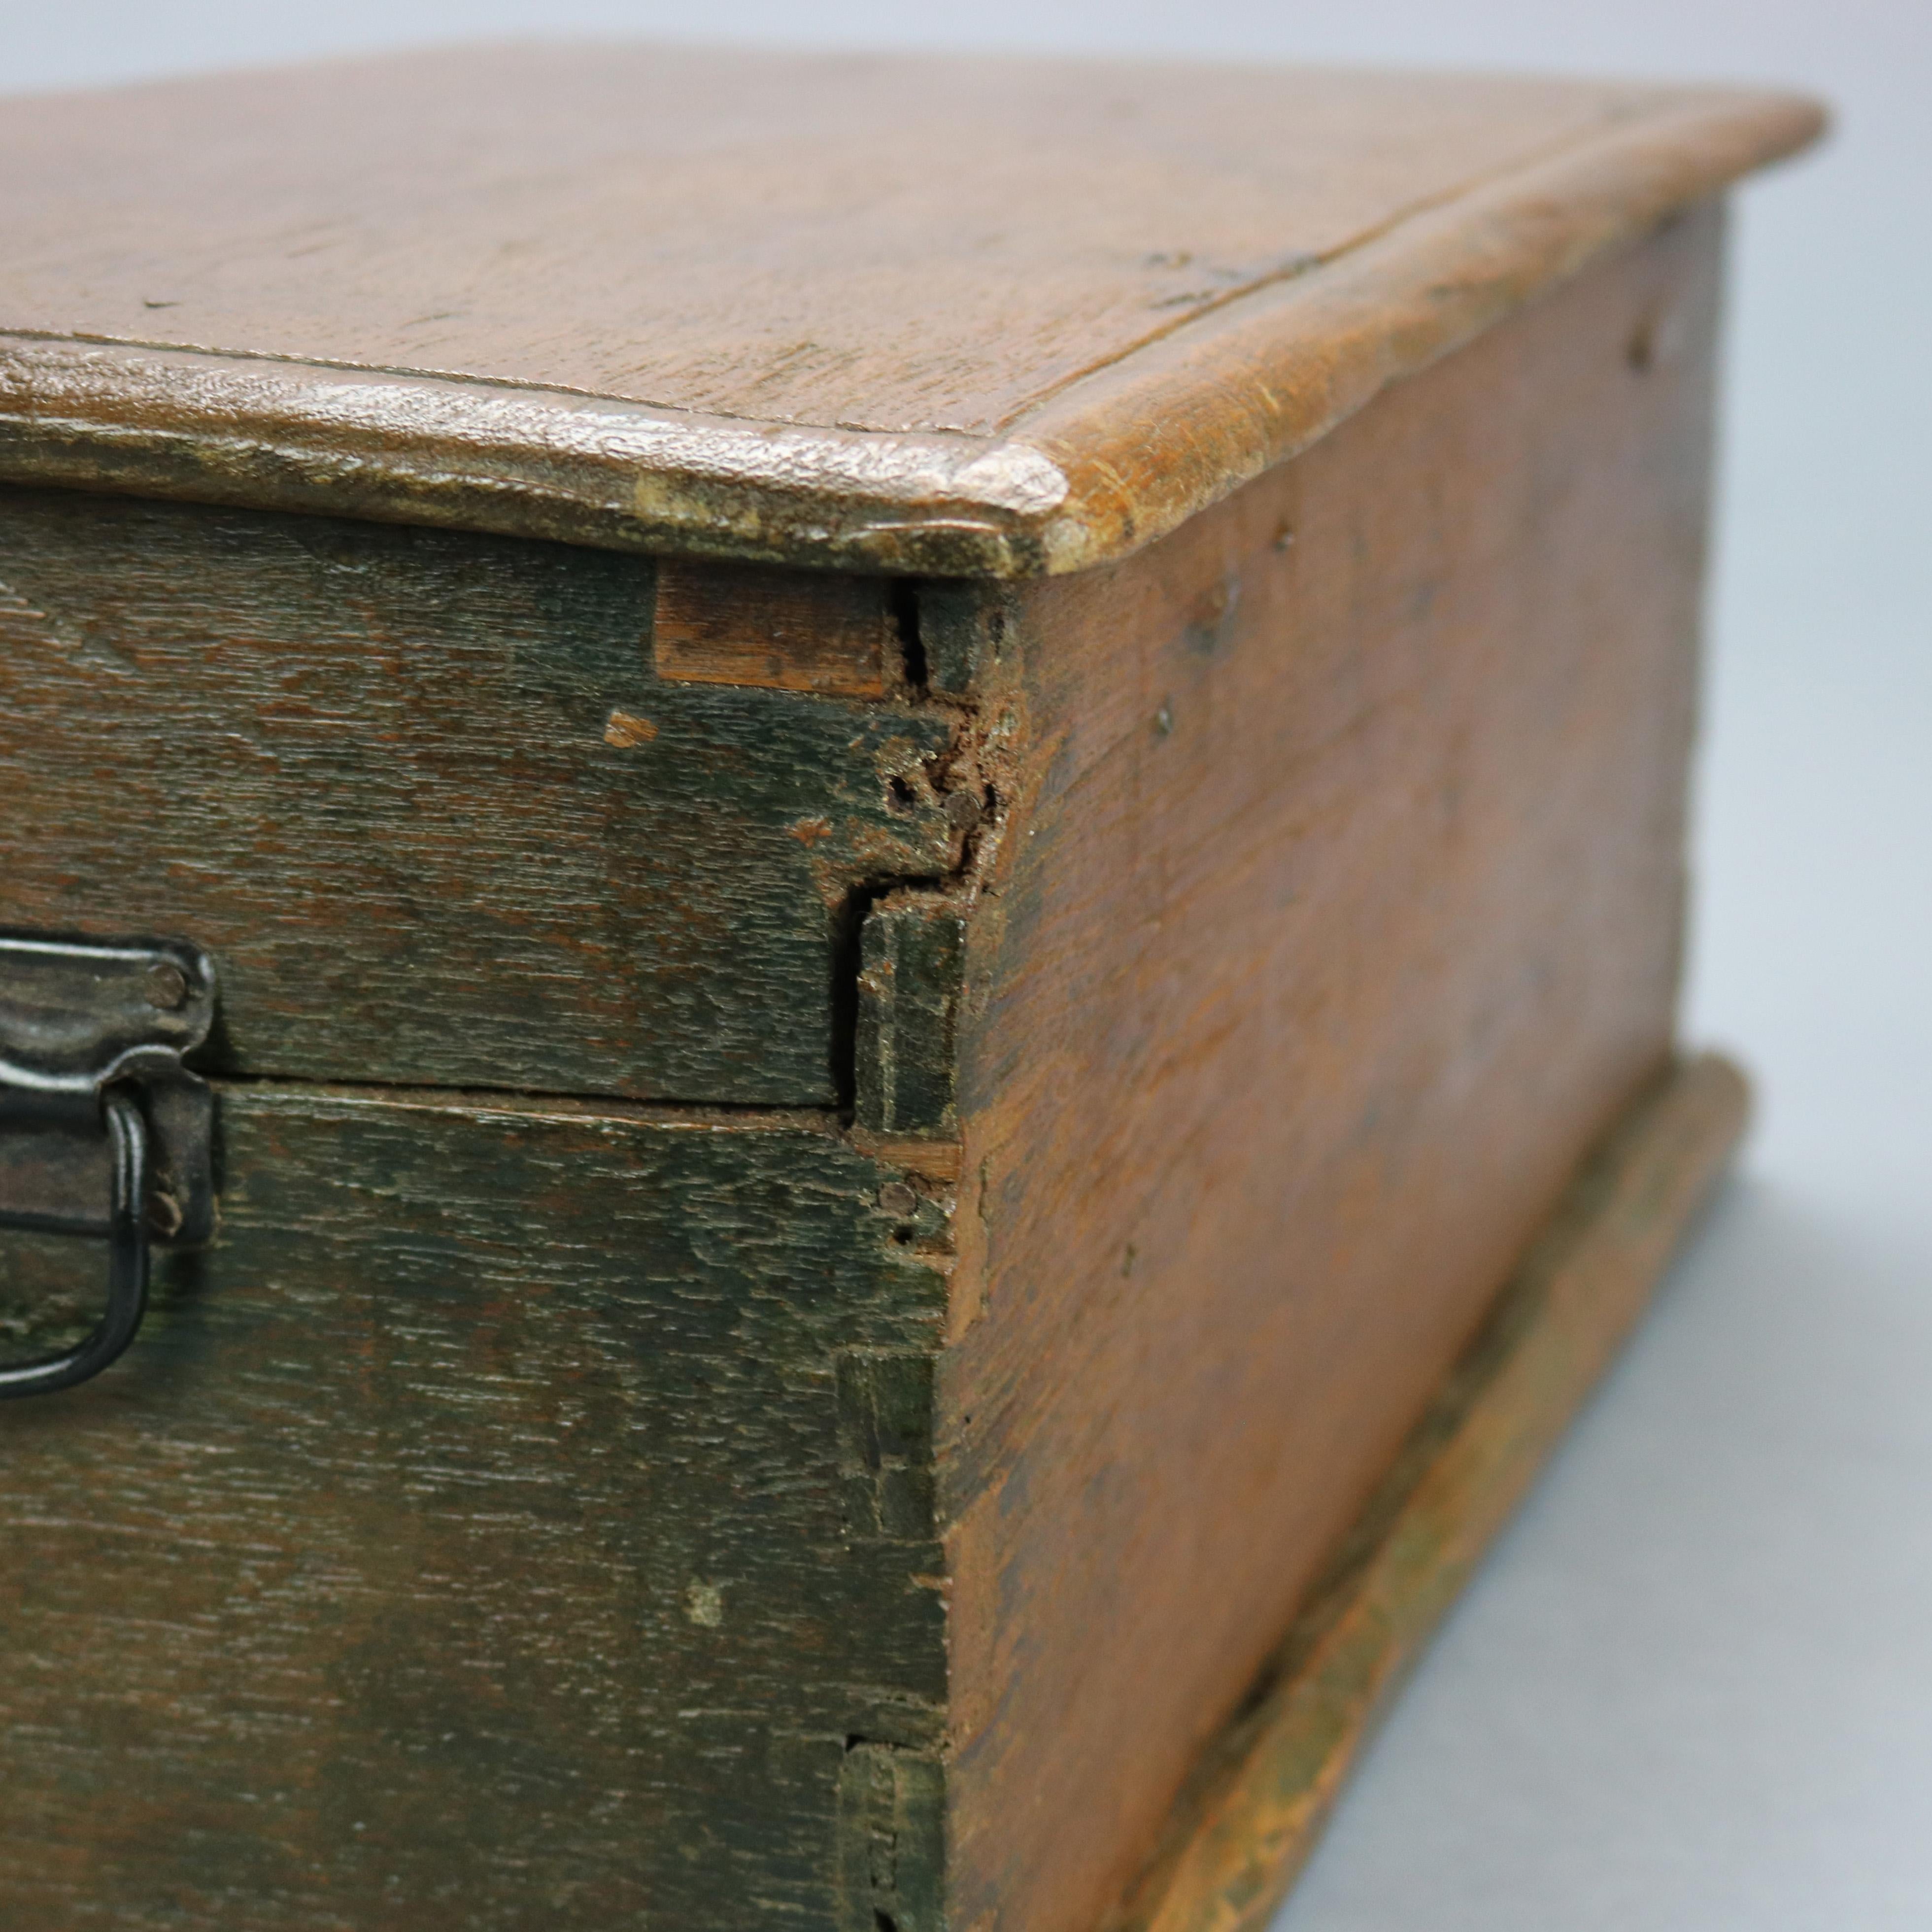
x: 104, y: 1132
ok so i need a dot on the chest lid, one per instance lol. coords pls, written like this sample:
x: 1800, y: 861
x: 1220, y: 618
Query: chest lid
x: 947, y: 317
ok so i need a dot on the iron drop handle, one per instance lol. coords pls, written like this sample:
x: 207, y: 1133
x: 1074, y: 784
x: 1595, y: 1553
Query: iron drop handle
x: 126, y: 1265
x: 89, y: 1024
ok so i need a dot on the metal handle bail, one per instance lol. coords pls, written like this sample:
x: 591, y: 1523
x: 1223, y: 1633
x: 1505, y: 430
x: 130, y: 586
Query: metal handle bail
x: 109, y: 1021
x: 126, y: 1265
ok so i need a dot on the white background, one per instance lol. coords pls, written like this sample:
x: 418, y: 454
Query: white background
x: 1694, y: 1687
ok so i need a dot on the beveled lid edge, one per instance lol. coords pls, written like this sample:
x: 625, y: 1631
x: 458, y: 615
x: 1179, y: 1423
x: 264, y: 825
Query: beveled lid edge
x: 265, y: 434
x: 1116, y: 459
x: 1156, y: 437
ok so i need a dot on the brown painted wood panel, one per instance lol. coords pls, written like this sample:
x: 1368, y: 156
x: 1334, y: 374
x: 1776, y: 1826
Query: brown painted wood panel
x: 425, y: 799
x: 1334, y: 913
x: 519, y: 1517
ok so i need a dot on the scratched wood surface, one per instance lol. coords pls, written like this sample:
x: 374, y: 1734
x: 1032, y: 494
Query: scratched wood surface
x: 520, y: 1517
x: 426, y: 800
x: 884, y: 313
x: 1335, y: 912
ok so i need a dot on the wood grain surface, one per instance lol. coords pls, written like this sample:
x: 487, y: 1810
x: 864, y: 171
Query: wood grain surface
x: 520, y: 1517
x: 895, y: 313
x: 1253, y: 1813
x: 424, y: 798
x: 1334, y: 913
x: 1061, y: 1068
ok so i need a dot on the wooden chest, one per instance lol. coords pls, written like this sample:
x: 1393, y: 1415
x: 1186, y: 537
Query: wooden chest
x: 871, y: 872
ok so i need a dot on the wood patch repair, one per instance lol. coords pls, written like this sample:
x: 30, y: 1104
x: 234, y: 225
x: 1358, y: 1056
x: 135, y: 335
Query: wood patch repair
x: 776, y: 630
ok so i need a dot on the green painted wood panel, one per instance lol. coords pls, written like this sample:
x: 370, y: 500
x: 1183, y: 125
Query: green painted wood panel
x: 520, y: 1518
x: 423, y: 797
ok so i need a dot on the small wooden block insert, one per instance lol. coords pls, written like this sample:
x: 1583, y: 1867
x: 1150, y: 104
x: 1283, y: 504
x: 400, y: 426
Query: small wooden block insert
x: 779, y: 630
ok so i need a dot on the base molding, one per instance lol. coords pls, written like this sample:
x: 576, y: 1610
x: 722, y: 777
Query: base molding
x: 1248, y: 1817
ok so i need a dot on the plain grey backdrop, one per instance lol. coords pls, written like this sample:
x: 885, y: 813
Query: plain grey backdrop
x: 1693, y: 1687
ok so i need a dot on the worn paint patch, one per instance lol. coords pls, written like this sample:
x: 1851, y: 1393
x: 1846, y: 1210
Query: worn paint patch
x: 623, y: 731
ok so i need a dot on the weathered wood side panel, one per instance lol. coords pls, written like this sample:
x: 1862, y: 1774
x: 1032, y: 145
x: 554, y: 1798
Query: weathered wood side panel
x: 1335, y: 912
x: 518, y: 1519
x: 425, y: 799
